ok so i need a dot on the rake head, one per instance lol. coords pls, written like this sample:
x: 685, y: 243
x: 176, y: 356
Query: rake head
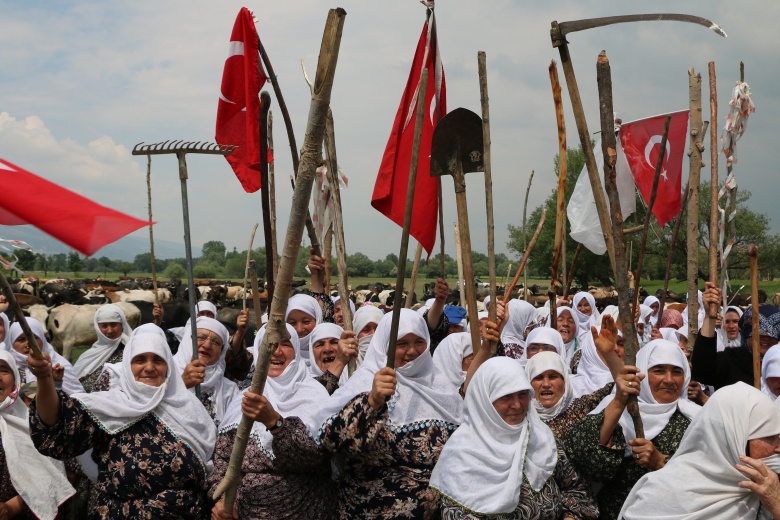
x: 183, y: 147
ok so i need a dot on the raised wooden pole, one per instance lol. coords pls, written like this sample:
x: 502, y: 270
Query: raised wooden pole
x: 265, y: 195
x: 459, y: 260
x: 560, y: 214
x: 713, y: 231
x: 157, y: 320
x: 272, y: 195
x: 525, y: 236
x: 413, y: 279
x: 694, y: 175
x: 756, y: 343
x: 526, y: 254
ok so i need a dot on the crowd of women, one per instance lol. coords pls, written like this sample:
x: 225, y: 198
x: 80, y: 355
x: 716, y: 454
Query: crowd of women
x: 533, y: 423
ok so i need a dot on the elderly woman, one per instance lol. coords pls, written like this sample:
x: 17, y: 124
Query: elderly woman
x: 504, y: 447
x: 304, y: 313
x: 387, y: 427
x: 521, y: 315
x: 338, y: 314
x: 566, y: 325
x: 604, y: 446
x: 4, y: 325
x: 585, y: 312
x: 31, y: 485
x: 16, y: 344
x: 365, y: 322
x: 453, y: 357
x: 542, y: 339
x: 655, y: 305
x: 285, y: 474
x: 151, y: 438
x: 208, y: 371
x: 113, y: 333
x: 724, y: 469
x: 331, y: 350
x: 770, y: 373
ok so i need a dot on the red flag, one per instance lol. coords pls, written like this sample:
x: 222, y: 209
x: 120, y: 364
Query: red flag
x: 389, y: 196
x: 641, y: 142
x: 67, y: 216
x: 238, y: 110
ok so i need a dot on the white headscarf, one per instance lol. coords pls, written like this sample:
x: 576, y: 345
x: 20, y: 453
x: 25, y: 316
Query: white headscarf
x: 521, y: 315
x: 645, y: 317
x: 293, y: 393
x: 103, y: 348
x: 483, y: 464
x: 724, y: 340
x: 573, y: 345
x: 324, y: 331
x: 363, y: 316
x: 181, y: 332
x: 541, y: 363
x: 351, y: 303
x: 6, y: 326
x: 655, y: 415
x: 449, y: 355
x: 421, y: 394
x: 70, y: 383
x: 221, y: 389
x: 309, y: 305
x: 592, y: 373
x: 701, y: 481
x: 650, y: 300
x: 770, y: 367
x: 670, y: 334
x: 128, y: 400
x: 585, y: 322
x: 39, y: 480
x: 543, y: 336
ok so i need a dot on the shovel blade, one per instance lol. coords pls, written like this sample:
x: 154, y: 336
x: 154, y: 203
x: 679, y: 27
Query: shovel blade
x: 457, y: 144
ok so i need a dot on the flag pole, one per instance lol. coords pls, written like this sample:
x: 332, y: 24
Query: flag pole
x: 157, y: 320
x: 265, y: 105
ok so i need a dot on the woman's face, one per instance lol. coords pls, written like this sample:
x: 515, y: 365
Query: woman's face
x: 549, y: 387
x: 209, y: 346
x: 7, y: 383
x: 283, y: 356
x: 731, y: 325
x: 620, y: 347
x: 640, y: 328
x: 302, y: 323
x: 513, y: 407
x: 324, y: 351
x: 566, y: 326
x: 367, y: 330
x: 20, y: 345
x: 535, y: 348
x: 408, y: 348
x: 149, y: 368
x: 467, y: 362
x: 774, y: 385
x: 655, y: 308
x: 2, y: 330
x: 338, y: 316
x: 111, y: 330
x: 584, y: 307
x: 666, y: 382
x: 764, y: 447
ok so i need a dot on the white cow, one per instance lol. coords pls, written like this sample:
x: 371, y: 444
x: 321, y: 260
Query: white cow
x: 73, y: 325
x: 128, y: 295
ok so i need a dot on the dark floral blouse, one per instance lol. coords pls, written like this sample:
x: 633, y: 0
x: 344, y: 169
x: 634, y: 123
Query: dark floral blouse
x: 7, y: 491
x: 513, y: 350
x: 609, y: 465
x: 292, y: 483
x: 564, y: 495
x: 384, y: 471
x: 145, y: 471
x: 325, y: 301
x: 579, y: 408
x: 88, y: 381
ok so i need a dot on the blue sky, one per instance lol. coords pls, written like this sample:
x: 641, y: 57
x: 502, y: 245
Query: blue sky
x: 83, y: 82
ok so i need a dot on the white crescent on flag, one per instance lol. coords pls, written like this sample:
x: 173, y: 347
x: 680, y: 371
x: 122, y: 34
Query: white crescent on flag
x: 234, y: 49
x: 654, y: 140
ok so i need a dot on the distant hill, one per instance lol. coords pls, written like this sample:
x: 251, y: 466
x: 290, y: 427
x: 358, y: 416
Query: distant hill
x: 123, y: 249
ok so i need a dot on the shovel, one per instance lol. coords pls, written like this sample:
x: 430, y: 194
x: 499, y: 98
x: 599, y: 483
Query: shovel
x: 457, y: 148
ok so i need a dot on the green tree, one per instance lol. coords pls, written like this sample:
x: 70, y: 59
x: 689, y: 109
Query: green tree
x: 58, y: 262
x: 124, y: 267
x: 174, y: 270
x: 43, y: 263
x: 205, y: 269
x: 214, y: 251
x: 359, y: 264
x: 26, y: 259
x: 142, y: 263
x: 105, y: 262
x: 234, y: 267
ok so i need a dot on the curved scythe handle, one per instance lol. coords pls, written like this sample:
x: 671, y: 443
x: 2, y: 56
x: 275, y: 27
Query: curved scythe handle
x: 592, y: 23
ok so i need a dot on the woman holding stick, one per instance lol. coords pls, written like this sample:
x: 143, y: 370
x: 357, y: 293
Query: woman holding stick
x: 389, y: 426
x: 331, y: 350
x: 113, y: 333
x: 365, y: 321
x: 521, y: 315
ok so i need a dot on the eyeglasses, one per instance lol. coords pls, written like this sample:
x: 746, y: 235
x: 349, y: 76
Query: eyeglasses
x: 214, y: 340
x: 536, y: 347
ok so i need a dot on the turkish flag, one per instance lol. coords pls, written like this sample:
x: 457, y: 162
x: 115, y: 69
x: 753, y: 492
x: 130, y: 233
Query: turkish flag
x: 641, y: 142
x: 67, y: 216
x: 389, y: 196
x: 238, y: 110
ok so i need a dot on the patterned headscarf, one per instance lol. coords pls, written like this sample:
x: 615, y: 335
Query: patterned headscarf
x: 768, y: 321
x: 672, y: 319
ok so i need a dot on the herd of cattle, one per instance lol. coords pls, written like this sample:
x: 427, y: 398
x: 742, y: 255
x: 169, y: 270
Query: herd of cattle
x: 66, y: 307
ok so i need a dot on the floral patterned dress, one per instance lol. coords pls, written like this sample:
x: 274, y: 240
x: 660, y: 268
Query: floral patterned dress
x: 577, y: 410
x: 88, y: 381
x: 564, y: 495
x: 293, y: 482
x: 385, y: 470
x: 145, y: 471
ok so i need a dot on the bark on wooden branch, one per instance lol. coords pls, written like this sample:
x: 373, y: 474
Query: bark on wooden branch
x: 272, y: 194
x: 560, y: 214
x: 713, y: 232
x: 157, y: 321
x: 525, y: 236
x: 265, y: 105
x: 696, y: 149
x: 752, y: 251
x: 526, y: 254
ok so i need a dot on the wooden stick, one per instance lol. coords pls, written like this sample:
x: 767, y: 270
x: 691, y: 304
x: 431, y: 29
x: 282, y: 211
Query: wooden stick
x: 35, y: 351
x: 696, y: 149
x: 620, y: 264
x: 256, y: 295
x: 483, y: 91
x: 459, y: 260
x: 338, y: 227
x: 413, y: 279
x: 714, y: 232
x: 525, y: 236
x: 276, y: 330
x: 248, y: 263
x: 571, y: 271
x: 753, y: 253
x: 560, y: 214
x: 442, y: 265
x: 399, y: 279
x: 508, y: 272
x: 327, y: 254
x: 526, y: 254
x: 157, y: 320
x: 653, y: 192
x: 265, y: 197
x: 272, y: 195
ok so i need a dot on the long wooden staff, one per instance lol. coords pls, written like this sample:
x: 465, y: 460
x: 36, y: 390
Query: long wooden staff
x: 157, y: 320
x: 459, y: 260
x: 483, y: 90
x: 255, y: 296
x: 399, y: 280
x: 694, y: 174
x: 525, y: 236
x: 714, y: 227
x: 248, y: 261
x: 526, y: 254
x: 19, y: 315
x: 442, y: 268
x: 560, y: 214
x: 620, y: 264
x: 276, y: 330
x: 413, y: 279
x: 272, y: 194
x: 338, y: 227
x: 752, y: 251
x: 265, y: 196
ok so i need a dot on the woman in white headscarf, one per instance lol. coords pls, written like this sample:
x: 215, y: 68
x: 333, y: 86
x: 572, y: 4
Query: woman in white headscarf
x: 304, y: 313
x: 521, y: 315
x: 728, y: 334
x: 654, y: 304
x: 643, y: 325
x: 284, y: 473
x: 604, y: 446
x: 365, y: 322
x: 592, y: 371
x: 453, y: 357
x: 542, y: 339
x: 16, y: 344
x: 504, y: 447
x: 736, y: 434
x: 389, y: 426
x: 585, y: 312
x: 331, y: 350
x: 208, y: 371
x: 4, y: 326
x: 338, y: 315
x: 151, y: 438
x: 113, y: 333
x: 770, y: 372
x: 32, y: 486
